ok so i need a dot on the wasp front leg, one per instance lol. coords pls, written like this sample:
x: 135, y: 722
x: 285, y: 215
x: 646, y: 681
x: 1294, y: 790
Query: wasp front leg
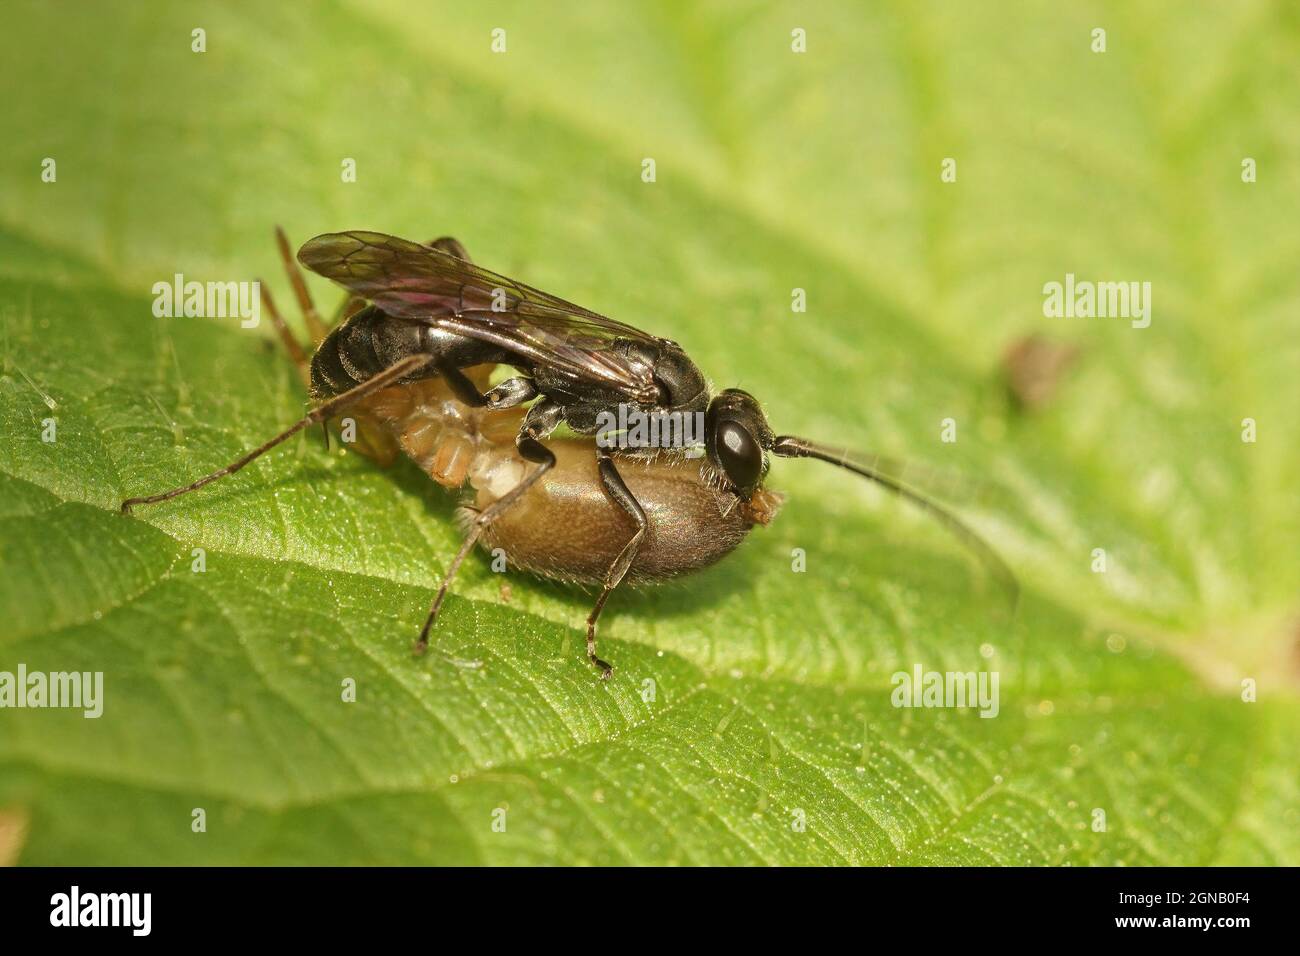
x: 622, y: 496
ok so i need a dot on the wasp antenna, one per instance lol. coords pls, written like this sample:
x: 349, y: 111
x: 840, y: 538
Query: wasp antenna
x: 790, y: 446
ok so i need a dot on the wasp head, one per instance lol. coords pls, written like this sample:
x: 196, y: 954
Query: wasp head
x: 737, y: 439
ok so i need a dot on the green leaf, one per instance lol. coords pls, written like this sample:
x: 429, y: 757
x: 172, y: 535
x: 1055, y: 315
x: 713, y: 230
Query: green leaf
x: 770, y: 736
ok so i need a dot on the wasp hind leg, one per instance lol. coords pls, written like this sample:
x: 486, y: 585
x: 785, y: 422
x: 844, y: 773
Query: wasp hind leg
x: 372, y: 440
x: 509, y: 394
x: 389, y: 376
x: 315, y: 327
x: 622, y: 496
x: 287, y: 338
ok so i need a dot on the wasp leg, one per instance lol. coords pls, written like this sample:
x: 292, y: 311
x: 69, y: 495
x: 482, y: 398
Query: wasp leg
x: 291, y: 345
x: 287, y: 339
x: 314, y: 325
x: 349, y: 307
x: 512, y: 392
x: 622, y: 496
x: 542, y: 419
x: 373, y: 441
x: 394, y: 373
x: 532, y: 450
x: 461, y: 386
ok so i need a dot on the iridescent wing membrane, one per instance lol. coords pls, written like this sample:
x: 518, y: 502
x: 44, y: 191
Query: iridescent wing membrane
x: 414, y: 281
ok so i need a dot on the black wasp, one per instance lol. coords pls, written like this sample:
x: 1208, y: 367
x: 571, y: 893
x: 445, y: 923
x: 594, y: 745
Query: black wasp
x: 423, y: 313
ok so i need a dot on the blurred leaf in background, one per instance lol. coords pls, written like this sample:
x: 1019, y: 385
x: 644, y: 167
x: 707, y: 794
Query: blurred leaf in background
x: 749, y: 718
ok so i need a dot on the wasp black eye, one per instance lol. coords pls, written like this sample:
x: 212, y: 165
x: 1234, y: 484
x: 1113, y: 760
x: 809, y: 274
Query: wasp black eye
x: 740, y: 455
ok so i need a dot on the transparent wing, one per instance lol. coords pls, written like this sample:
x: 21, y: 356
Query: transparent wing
x: 414, y: 281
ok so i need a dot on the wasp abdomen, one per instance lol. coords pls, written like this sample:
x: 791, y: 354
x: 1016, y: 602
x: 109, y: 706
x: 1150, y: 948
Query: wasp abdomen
x: 372, y: 340
x: 360, y: 348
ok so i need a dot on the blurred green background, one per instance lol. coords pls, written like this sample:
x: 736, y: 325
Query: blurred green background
x: 775, y: 170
